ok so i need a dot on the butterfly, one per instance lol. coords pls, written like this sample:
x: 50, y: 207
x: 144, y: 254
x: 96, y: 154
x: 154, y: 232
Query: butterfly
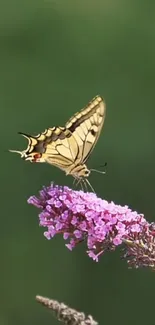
x: 69, y: 147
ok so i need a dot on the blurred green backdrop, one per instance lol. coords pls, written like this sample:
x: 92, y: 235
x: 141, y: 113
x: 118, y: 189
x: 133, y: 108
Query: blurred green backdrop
x: 55, y: 56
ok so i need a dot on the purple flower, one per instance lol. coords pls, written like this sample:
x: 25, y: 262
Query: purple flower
x: 80, y: 216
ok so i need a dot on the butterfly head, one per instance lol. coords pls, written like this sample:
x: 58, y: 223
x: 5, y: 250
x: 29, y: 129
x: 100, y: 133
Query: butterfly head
x: 34, y: 151
x: 80, y: 171
x: 86, y: 172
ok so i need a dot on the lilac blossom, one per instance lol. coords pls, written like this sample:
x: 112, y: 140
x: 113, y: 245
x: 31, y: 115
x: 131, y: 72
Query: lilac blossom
x: 103, y: 225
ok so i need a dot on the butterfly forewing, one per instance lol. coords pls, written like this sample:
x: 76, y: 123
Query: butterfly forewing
x: 86, y: 126
x: 63, y: 151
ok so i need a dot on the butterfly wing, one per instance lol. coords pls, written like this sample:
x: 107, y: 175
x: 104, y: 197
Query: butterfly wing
x: 86, y: 126
x: 73, y: 144
x: 61, y: 149
x: 69, y: 146
x: 55, y: 145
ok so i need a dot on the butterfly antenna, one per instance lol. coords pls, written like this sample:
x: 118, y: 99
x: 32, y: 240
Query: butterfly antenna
x: 99, y: 171
x: 104, y: 165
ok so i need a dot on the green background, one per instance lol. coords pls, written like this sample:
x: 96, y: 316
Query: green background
x: 55, y: 56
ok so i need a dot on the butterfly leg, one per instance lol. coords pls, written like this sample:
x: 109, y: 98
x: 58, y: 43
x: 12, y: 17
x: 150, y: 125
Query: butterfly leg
x: 81, y: 183
x: 89, y: 185
x: 76, y: 181
x: 85, y: 184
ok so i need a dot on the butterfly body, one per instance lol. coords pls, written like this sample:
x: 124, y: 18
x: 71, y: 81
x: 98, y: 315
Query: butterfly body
x: 68, y: 147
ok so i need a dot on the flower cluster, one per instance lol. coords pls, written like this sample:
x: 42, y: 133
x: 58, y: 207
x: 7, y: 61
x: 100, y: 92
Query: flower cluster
x: 66, y: 314
x: 103, y: 225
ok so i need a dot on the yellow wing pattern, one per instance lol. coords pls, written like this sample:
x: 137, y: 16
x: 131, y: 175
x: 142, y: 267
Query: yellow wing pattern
x: 69, y: 147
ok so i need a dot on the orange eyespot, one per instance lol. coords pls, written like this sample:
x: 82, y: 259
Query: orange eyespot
x: 36, y: 156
